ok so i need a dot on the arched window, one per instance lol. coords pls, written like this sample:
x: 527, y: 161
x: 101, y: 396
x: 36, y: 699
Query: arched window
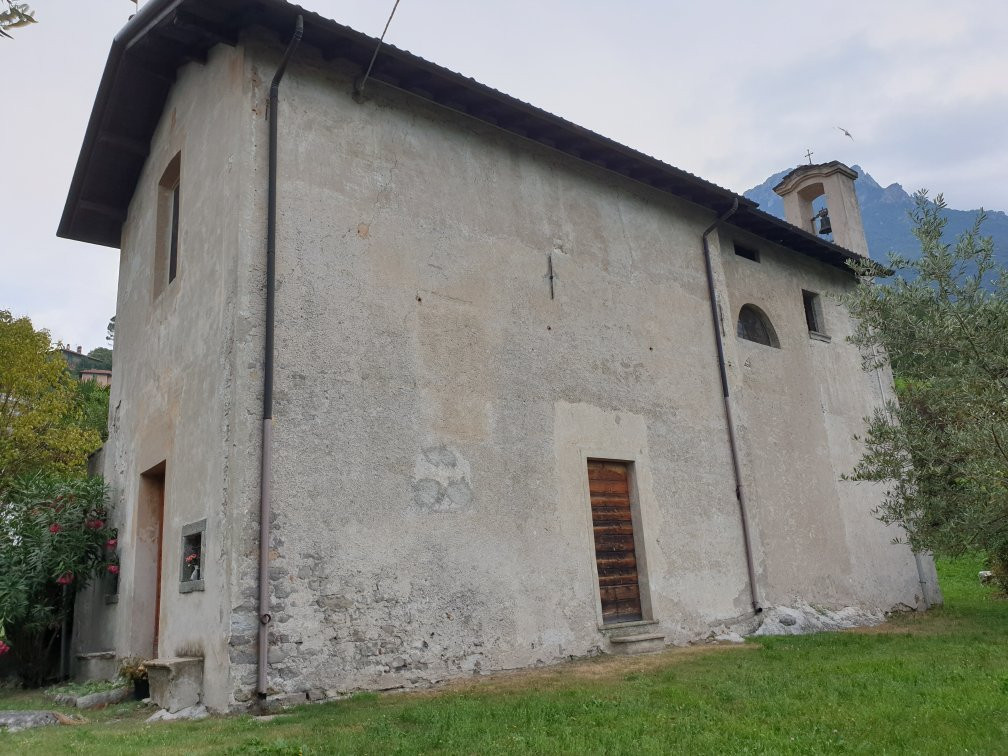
x: 754, y: 325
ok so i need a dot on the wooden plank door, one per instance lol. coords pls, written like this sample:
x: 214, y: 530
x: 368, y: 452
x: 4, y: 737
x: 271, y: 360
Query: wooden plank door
x: 615, y: 556
x: 148, y: 561
x: 160, y: 559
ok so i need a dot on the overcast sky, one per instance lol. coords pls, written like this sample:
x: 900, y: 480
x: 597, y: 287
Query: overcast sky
x: 731, y: 91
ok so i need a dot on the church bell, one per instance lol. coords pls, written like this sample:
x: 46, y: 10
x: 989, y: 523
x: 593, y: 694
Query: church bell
x: 824, y: 224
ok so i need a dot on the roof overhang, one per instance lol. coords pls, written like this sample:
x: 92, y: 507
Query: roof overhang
x: 165, y: 34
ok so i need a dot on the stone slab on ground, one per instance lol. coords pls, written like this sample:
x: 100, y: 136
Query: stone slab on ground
x: 804, y: 618
x: 93, y: 700
x: 15, y: 721
x: 283, y: 701
x: 103, y: 698
x: 192, y: 712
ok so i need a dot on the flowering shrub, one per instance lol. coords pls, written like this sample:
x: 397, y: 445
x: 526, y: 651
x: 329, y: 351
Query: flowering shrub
x: 54, y: 539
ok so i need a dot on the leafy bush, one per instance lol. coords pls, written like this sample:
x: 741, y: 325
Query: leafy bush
x: 54, y: 539
x: 42, y: 415
x: 93, y: 403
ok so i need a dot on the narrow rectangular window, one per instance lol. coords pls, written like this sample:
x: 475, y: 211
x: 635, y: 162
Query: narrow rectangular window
x: 615, y: 554
x: 747, y: 252
x: 173, y: 242
x: 169, y: 212
x: 813, y: 312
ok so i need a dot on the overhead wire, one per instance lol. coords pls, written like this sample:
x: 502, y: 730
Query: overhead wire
x: 363, y: 80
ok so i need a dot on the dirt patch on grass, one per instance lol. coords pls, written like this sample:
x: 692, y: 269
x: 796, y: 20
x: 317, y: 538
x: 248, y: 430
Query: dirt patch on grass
x: 598, y: 668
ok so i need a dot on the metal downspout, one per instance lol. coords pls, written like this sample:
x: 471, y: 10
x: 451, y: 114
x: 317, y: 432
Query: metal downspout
x: 729, y: 414
x: 266, y: 478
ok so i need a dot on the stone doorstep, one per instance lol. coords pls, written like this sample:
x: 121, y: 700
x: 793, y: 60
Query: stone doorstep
x: 629, y: 628
x: 638, y: 644
x: 176, y: 683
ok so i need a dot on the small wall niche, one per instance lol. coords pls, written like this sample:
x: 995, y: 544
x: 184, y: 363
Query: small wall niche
x: 193, y: 544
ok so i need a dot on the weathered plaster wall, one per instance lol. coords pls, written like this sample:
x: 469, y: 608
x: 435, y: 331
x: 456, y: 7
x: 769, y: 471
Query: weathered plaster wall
x: 800, y: 407
x: 173, y: 388
x: 435, y: 407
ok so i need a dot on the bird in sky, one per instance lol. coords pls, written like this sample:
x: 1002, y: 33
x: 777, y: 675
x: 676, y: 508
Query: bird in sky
x: 846, y: 133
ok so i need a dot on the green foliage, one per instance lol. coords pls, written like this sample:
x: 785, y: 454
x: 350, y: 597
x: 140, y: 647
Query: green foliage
x: 943, y: 447
x: 15, y: 16
x: 54, y: 539
x: 93, y: 401
x: 102, y: 357
x: 110, y: 336
x: 41, y: 416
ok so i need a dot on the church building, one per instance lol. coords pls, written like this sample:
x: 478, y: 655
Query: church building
x: 414, y: 380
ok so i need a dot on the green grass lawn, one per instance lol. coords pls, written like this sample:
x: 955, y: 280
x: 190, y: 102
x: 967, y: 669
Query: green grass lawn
x: 936, y: 683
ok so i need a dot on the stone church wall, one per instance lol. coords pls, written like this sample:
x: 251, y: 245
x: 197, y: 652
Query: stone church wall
x: 436, y: 404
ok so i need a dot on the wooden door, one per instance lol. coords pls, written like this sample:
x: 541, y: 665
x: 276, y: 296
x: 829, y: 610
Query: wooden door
x: 615, y: 555
x: 149, y: 560
x: 160, y: 557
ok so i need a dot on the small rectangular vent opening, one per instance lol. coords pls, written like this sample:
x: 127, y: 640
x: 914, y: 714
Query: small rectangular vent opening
x: 748, y: 253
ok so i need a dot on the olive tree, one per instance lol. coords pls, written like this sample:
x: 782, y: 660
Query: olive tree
x: 942, y: 445
x: 14, y: 16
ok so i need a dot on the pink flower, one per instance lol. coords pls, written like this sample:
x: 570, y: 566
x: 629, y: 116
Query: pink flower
x: 4, y: 648
x: 65, y: 579
x: 111, y: 543
x: 55, y: 528
x: 113, y: 569
x: 95, y: 524
x: 191, y: 558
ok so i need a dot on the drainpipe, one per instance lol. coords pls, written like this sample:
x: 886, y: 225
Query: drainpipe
x: 266, y: 478
x: 757, y: 602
